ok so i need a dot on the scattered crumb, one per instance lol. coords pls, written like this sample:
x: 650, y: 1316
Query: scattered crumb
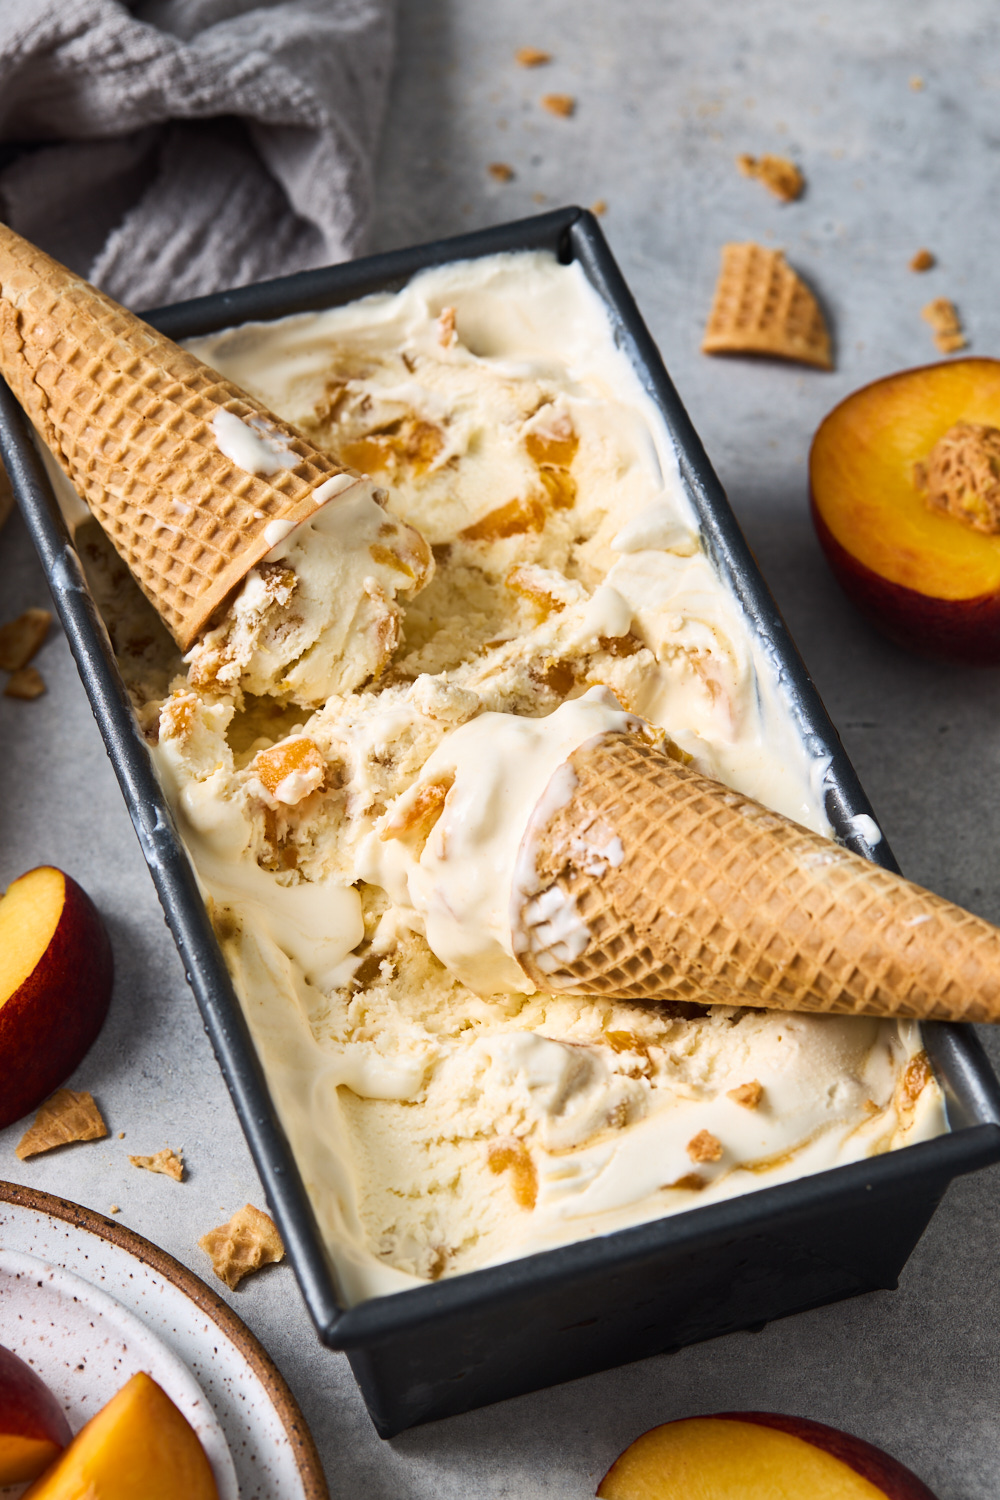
x: 776, y: 172
x: 447, y: 337
x: 532, y: 57
x: 21, y: 638
x: 922, y: 261
x: 748, y: 1094
x: 63, y: 1118
x: 169, y: 1162
x: 942, y: 315
x: 599, y: 206
x: 121, y: 1135
x: 26, y: 683
x: 704, y: 1147
x: 538, y: 198
x: 500, y: 171
x: 115, y: 1209
x: 916, y: 83
x: 559, y: 104
x: 250, y: 1240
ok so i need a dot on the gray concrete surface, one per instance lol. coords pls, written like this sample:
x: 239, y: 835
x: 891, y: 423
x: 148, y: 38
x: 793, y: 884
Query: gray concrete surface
x: 668, y: 93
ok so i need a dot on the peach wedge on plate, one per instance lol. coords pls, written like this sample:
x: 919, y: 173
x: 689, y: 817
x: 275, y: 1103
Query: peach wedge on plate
x: 33, y: 1426
x: 56, y: 971
x: 138, y: 1447
x: 904, y: 480
x: 752, y: 1455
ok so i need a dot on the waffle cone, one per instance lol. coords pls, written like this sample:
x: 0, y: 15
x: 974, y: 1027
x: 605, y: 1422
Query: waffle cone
x: 762, y: 307
x: 128, y: 415
x: 709, y: 896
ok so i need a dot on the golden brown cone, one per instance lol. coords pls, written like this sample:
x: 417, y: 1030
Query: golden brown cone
x: 762, y: 307
x: 713, y: 898
x: 127, y: 413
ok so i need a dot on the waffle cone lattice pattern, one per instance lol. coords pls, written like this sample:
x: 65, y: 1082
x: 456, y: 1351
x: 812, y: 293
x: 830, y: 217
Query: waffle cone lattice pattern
x: 128, y: 415
x: 718, y: 899
x: 762, y: 307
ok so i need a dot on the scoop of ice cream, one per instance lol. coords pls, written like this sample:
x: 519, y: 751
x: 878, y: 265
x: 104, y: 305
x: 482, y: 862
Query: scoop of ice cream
x: 320, y: 614
x: 447, y: 847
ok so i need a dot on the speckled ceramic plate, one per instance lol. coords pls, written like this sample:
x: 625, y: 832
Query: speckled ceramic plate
x: 89, y: 1303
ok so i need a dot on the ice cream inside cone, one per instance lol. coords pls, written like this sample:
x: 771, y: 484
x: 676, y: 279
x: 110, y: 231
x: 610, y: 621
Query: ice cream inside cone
x: 617, y: 871
x: 277, y: 565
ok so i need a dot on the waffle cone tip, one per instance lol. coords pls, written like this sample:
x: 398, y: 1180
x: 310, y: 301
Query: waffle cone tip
x: 129, y: 416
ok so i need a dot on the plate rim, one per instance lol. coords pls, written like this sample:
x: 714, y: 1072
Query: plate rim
x: 278, y: 1392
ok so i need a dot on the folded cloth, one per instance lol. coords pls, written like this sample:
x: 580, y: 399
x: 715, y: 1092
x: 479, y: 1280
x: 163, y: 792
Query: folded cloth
x: 168, y: 148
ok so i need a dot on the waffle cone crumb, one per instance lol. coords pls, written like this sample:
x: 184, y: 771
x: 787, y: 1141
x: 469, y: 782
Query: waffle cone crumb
x: 748, y: 1094
x: 559, y: 104
x: 249, y: 1241
x: 21, y: 638
x: 532, y: 57
x: 704, y: 1147
x: 25, y: 683
x: 922, y: 261
x: 167, y: 1161
x: 500, y: 171
x: 946, y: 326
x: 781, y: 176
x: 762, y: 307
x: 62, y: 1119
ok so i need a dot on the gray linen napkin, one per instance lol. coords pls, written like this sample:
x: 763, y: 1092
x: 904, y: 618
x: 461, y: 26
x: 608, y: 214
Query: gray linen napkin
x: 167, y: 148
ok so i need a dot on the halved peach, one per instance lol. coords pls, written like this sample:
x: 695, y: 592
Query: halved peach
x: 928, y: 578
x: 33, y: 1426
x: 56, y: 971
x: 753, y: 1455
x: 139, y: 1445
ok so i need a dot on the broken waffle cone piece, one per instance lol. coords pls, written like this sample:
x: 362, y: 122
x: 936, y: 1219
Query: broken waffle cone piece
x: 762, y: 307
x: 129, y: 415
x: 64, y: 1118
x: 247, y: 1242
x: 653, y: 882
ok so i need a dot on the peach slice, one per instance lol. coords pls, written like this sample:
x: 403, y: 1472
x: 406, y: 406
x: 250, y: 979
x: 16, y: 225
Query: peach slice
x: 137, y: 1445
x: 928, y: 578
x: 752, y: 1455
x: 33, y: 1426
x: 56, y: 971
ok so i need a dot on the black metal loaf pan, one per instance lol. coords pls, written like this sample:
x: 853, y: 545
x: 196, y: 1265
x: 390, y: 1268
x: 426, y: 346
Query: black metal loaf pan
x: 480, y: 1337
